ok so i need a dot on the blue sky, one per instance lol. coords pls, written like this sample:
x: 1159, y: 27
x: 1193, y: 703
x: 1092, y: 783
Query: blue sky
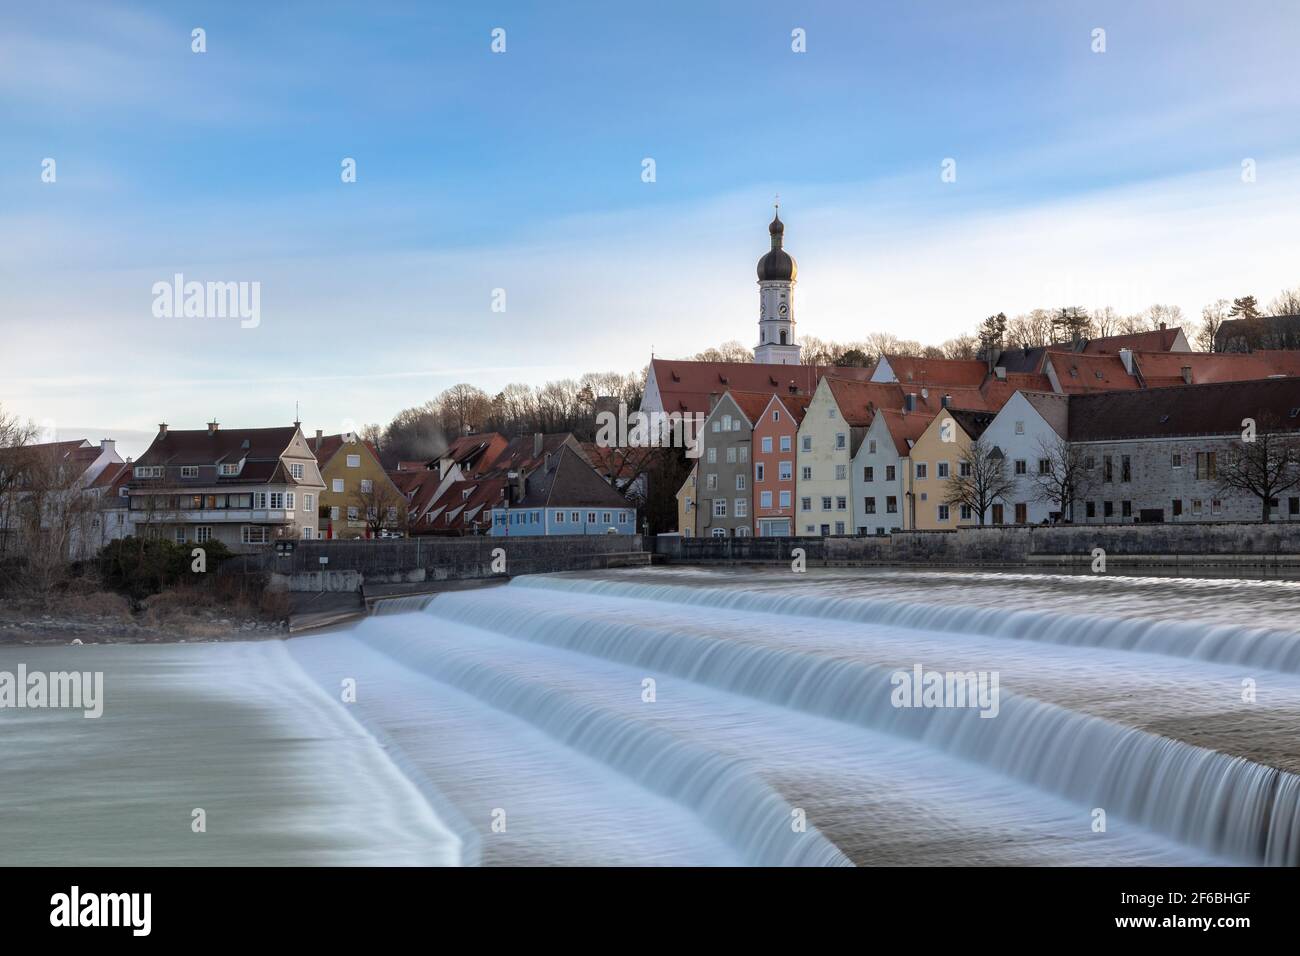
x: 1082, y: 178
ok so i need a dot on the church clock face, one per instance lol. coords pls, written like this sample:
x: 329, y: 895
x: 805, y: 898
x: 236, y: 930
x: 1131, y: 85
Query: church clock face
x: 784, y: 309
x: 762, y: 310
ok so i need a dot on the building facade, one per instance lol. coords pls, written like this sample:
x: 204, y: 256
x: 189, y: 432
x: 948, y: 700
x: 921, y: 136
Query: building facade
x: 775, y: 435
x: 359, y: 499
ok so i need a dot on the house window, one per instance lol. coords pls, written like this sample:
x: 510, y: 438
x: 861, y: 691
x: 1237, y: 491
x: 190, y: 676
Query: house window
x: 148, y: 471
x: 711, y: 456
x: 230, y: 469
x: 869, y: 506
x: 744, y: 453
x: 719, y: 532
x: 966, y: 513
x: 785, y: 442
x: 963, y: 469
x: 726, y: 423
x: 1020, y: 428
x: 805, y: 473
x: 841, y: 472
x: 776, y: 414
x: 189, y: 471
x: 785, y: 500
x: 295, y: 470
x: 604, y: 517
x: 785, y: 471
x: 259, y: 499
x: 1045, y: 466
x: 805, y: 504
x: 255, y: 534
x: 759, y: 471
x: 997, y: 514
x: 868, y: 473
x: 277, y: 499
x: 1126, y: 509
x: 890, y: 472
x: 731, y: 455
x: 810, y: 529
x: 1178, y: 507
x: 742, y: 507
x: 1108, y: 509
x: 1107, y: 469
x: 1216, y: 505
x: 1176, y: 459
x: 336, y: 485
x: 767, y: 444
x: 1089, y: 463
x: 180, y: 535
x: 354, y: 461
x: 334, y: 513
x: 942, y: 469
x: 367, y: 486
x: 871, y: 447
x: 1091, y: 509
x: 307, y: 532
x: 920, y: 470
x: 765, y: 499
x: 574, y: 516
x: 891, y: 505
x: 715, y: 425
x: 353, y: 513
x: 1125, y: 469
x: 826, y: 502
x: 1022, y: 513
x: 308, y: 502
x: 740, y: 482
x: 840, y: 440
x: 1196, y: 506
x: 1021, y: 468
x: 841, y: 503
x: 1206, y: 465
x: 711, y: 482
x: 839, y: 527
x: 943, y: 512
x: 288, y: 501
x: 806, y: 443
x: 719, y: 507
x: 622, y: 517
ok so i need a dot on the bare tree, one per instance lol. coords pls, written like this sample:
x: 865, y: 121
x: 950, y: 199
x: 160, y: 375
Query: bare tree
x: 981, y: 480
x: 1069, y: 322
x: 732, y: 351
x: 1286, y: 303
x: 1061, y: 476
x: 963, y: 346
x: 382, y: 507
x: 1105, y: 321
x: 1264, y: 467
x: 1212, y: 317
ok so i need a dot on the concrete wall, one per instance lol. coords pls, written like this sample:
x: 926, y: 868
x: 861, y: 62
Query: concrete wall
x: 353, y: 564
x: 1226, y: 543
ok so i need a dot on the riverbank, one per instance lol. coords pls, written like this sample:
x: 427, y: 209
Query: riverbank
x: 107, y: 618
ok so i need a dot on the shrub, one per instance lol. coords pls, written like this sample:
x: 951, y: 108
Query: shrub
x: 139, y: 567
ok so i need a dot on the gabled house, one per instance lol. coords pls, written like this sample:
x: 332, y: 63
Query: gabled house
x: 775, y: 434
x: 52, y: 495
x: 880, y: 470
x: 563, y: 496
x: 1030, y: 432
x: 247, y: 488
x: 726, y: 465
x: 359, y: 500
x: 936, y: 460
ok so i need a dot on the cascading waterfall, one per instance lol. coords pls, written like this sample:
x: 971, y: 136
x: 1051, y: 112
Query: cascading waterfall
x: 1227, y: 644
x: 747, y: 812
x: 1227, y: 805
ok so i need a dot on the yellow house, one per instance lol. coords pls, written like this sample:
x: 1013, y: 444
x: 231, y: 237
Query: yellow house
x: 359, y: 500
x: 686, y: 504
x: 936, y: 458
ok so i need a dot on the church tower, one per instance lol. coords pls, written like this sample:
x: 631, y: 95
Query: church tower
x: 777, y: 273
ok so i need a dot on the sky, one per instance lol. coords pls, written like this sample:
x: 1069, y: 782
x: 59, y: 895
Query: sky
x: 1083, y: 177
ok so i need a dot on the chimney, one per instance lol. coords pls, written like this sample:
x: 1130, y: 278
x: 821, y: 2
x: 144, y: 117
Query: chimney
x: 320, y: 435
x: 1187, y: 375
x: 1126, y: 356
x: 794, y: 389
x: 1001, y: 373
x: 992, y: 355
x: 1162, y: 326
x: 162, y: 430
x: 212, y: 428
x: 909, y: 402
x: 107, y: 444
x: 537, y: 444
x: 947, y: 401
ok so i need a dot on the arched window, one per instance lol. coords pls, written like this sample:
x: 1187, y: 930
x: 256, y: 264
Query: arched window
x: 783, y: 337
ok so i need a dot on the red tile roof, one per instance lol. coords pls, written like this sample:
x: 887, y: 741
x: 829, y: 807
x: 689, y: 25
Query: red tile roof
x: 1079, y: 373
x: 937, y: 373
x: 686, y: 386
x: 1156, y: 340
x: 1216, y: 409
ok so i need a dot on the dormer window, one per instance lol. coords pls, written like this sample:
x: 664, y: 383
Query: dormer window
x: 228, y: 470
x: 148, y: 471
x: 189, y: 471
x: 295, y: 471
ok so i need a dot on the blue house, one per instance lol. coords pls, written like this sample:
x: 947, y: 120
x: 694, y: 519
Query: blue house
x: 562, y: 496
